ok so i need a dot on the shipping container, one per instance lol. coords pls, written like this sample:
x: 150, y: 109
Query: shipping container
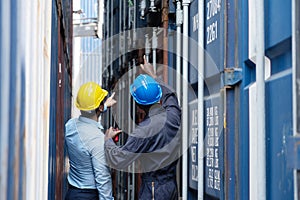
x: 234, y: 65
x: 248, y: 104
x: 35, y: 69
x: 241, y: 60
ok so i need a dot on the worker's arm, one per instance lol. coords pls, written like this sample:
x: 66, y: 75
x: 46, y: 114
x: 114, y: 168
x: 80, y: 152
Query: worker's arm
x: 121, y: 157
x: 169, y: 99
x: 101, y: 170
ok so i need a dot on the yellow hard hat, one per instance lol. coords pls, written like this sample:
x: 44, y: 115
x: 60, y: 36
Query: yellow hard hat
x: 89, y: 96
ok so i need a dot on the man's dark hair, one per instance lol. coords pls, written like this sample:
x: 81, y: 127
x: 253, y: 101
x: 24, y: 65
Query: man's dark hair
x: 145, y: 108
x: 138, y: 117
x: 91, y: 113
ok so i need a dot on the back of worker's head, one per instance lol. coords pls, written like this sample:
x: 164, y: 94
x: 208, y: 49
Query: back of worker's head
x: 145, y: 91
x: 90, y: 97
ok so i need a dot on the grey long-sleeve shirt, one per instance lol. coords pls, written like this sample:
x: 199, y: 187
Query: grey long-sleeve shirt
x: 155, y: 142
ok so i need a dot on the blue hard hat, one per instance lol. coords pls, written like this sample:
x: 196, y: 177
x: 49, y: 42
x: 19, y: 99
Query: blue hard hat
x: 145, y: 90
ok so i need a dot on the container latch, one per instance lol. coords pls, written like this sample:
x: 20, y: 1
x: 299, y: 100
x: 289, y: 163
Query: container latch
x: 232, y: 76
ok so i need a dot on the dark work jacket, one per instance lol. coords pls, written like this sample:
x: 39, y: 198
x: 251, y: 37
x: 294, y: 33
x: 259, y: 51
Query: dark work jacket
x: 154, y: 145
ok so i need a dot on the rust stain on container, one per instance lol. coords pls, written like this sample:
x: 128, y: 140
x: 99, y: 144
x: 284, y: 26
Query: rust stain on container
x: 46, y: 111
x: 46, y: 48
x: 38, y: 9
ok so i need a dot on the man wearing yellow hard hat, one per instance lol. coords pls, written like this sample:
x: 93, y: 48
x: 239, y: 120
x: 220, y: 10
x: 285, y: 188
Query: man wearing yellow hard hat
x: 89, y: 177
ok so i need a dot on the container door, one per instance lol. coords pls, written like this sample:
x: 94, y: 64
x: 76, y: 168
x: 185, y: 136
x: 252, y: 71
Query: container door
x: 278, y: 99
x: 214, y: 145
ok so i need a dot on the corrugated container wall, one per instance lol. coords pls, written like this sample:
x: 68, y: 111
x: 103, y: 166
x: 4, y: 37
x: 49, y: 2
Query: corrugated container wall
x: 246, y: 117
x: 35, y: 60
x: 87, y: 65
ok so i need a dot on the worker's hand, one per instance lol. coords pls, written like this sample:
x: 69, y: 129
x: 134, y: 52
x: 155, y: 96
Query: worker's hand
x: 148, y: 68
x: 110, y: 101
x: 111, y: 133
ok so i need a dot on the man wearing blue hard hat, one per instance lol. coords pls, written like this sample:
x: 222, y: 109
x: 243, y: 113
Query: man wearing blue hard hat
x: 154, y: 144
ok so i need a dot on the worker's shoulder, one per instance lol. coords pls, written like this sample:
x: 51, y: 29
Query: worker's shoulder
x: 71, y: 121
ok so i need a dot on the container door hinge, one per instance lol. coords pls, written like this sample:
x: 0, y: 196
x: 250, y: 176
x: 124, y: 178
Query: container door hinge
x: 232, y: 76
x: 293, y: 152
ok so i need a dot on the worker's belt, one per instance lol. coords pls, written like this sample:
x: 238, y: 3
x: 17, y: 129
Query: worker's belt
x: 86, y: 190
x: 159, y: 178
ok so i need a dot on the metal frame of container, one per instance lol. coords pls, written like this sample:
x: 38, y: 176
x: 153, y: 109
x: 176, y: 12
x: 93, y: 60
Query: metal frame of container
x: 61, y: 75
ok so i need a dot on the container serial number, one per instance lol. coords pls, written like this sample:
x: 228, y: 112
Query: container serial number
x: 212, y: 32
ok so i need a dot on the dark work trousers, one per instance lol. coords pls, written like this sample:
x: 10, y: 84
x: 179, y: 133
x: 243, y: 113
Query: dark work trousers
x: 81, y: 194
x: 159, y: 190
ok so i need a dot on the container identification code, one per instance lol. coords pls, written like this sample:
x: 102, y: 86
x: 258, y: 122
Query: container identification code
x: 212, y: 149
x: 213, y: 8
